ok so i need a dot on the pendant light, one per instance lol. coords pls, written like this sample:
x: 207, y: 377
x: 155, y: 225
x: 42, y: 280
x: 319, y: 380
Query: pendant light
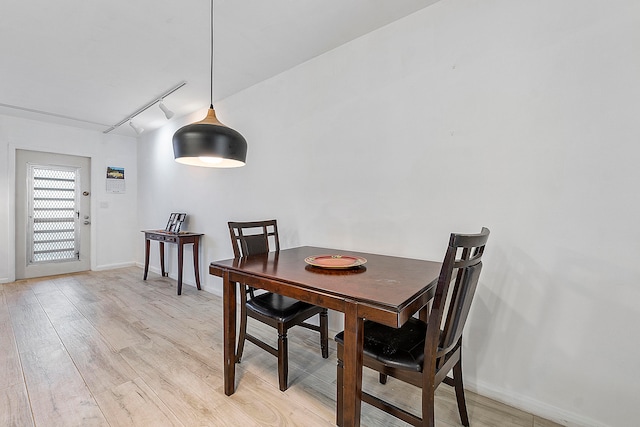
x: 208, y: 142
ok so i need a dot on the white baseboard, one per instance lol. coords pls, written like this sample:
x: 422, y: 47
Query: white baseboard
x: 215, y: 290
x: 156, y: 270
x: 544, y: 410
x: 114, y: 266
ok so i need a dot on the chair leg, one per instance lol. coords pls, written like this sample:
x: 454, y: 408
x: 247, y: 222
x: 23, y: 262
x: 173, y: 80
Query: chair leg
x: 428, y: 399
x: 243, y: 333
x: 324, y: 333
x: 462, y: 406
x: 283, y: 358
x: 339, y: 397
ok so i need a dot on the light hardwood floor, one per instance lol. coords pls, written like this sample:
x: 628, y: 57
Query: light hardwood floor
x: 109, y: 349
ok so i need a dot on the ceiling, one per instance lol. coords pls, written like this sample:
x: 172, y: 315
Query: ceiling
x: 92, y: 64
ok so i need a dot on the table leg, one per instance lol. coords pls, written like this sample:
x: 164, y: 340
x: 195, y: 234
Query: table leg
x: 352, y: 358
x: 161, y: 244
x: 196, y: 267
x: 229, y: 334
x: 180, y: 260
x: 147, y: 246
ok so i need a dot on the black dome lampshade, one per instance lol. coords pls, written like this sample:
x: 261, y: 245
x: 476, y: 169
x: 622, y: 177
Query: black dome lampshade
x: 209, y: 143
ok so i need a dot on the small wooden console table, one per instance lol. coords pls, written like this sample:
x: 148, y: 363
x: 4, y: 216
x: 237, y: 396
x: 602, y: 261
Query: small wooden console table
x: 182, y: 238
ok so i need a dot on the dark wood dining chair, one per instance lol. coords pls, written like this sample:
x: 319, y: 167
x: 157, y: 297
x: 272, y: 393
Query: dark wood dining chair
x: 423, y: 353
x: 277, y: 311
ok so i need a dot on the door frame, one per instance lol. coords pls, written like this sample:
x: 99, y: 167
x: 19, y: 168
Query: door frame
x: 11, y: 178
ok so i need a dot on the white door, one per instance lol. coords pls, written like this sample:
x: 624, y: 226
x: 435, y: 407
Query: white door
x: 53, y: 206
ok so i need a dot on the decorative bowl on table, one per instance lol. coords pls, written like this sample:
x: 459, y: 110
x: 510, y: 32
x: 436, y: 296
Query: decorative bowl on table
x: 335, y: 261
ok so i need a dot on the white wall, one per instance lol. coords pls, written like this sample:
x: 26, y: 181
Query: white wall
x: 113, y: 216
x: 519, y: 116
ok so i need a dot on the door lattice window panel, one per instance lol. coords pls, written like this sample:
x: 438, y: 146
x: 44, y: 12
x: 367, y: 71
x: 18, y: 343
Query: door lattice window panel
x: 53, y: 212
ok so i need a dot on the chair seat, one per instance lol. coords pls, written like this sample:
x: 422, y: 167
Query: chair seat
x: 395, y: 347
x: 279, y: 307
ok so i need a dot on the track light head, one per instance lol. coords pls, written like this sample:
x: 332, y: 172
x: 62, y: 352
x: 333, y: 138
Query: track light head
x: 138, y: 129
x: 167, y: 113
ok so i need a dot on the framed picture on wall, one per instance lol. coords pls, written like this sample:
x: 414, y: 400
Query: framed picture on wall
x: 115, y: 180
x: 175, y: 222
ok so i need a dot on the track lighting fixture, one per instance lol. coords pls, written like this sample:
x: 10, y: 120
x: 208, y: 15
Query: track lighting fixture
x: 138, y: 129
x: 167, y: 113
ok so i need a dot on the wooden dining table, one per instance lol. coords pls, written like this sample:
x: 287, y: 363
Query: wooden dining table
x: 386, y: 289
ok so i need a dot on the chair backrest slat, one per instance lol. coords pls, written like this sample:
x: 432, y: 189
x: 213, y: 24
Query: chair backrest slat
x: 456, y: 287
x: 460, y: 305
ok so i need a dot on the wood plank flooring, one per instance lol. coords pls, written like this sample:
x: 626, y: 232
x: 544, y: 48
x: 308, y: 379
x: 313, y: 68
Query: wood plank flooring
x: 109, y: 349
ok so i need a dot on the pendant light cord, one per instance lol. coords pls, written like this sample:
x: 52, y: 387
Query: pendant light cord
x: 211, y: 59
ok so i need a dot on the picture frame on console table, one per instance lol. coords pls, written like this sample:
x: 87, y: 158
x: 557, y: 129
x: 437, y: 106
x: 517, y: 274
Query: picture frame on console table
x: 176, y: 219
